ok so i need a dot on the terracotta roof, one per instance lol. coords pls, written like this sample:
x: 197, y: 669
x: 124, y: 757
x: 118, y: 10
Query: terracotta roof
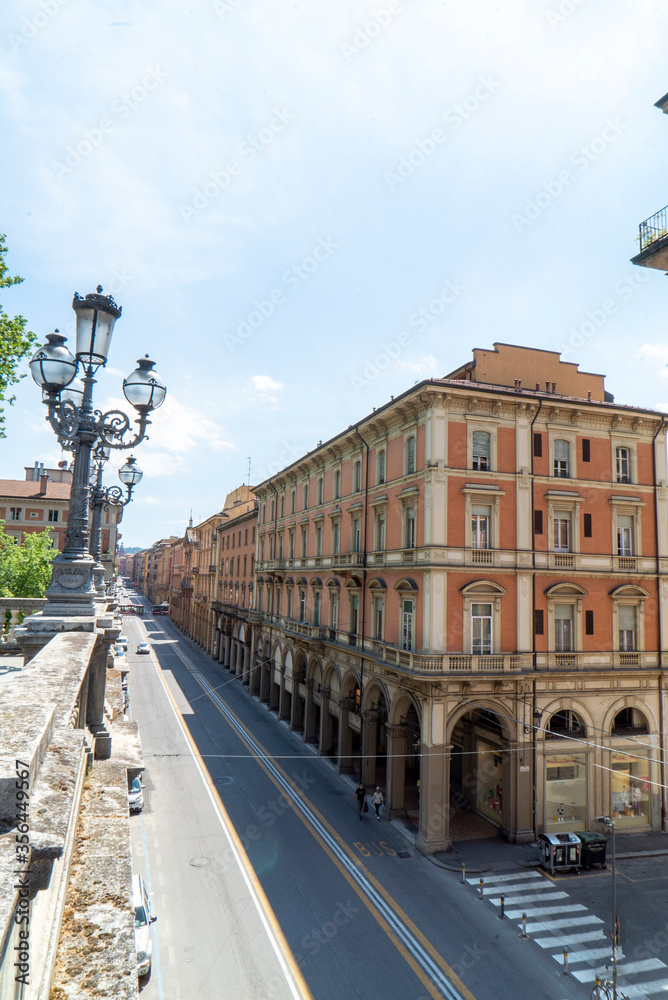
x: 20, y: 489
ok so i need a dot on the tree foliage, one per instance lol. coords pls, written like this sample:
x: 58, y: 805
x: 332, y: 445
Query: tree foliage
x: 25, y: 570
x: 15, y: 340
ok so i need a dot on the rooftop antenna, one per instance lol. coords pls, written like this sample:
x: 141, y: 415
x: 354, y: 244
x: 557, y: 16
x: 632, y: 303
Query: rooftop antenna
x: 249, y: 470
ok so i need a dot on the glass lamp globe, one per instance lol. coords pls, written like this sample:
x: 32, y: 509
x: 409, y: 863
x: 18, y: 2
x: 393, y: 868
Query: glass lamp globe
x: 130, y: 474
x: 52, y: 366
x: 96, y: 316
x: 74, y: 392
x: 144, y: 388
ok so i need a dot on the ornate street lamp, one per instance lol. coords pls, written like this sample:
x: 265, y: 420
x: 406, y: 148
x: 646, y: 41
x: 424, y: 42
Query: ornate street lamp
x: 104, y: 499
x: 81, y: 429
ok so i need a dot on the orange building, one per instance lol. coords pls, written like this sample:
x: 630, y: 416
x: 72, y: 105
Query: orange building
x: 235, y: 570
x: 464, y: 596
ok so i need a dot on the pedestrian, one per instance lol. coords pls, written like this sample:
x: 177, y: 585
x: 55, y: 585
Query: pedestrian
x: 377, y: 800
x: 359, y: 796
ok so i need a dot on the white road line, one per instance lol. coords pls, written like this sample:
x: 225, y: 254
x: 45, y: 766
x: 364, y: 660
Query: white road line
x: 513, y: 887
x: 646, y: 989
x: 545, y: 911
x: 590, y: 955
x: 569, y: 939
x: 545, y: 897
x: 558, y: 925
x: 589, y: 975
x: 505, y: 878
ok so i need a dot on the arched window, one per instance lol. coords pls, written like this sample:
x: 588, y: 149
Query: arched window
x: 629, y: 722
x: 566, y: 723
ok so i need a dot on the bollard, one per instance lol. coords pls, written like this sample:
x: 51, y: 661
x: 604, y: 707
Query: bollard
x: 463, y: 874
x: 524, y: 927
x: 482, y: 882
x: 565, y: 968
x: 502, y: 911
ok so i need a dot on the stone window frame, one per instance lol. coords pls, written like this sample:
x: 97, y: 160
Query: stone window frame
x: 629, y: 506
x: 489, y: 426
x: 629, y: 595
x: 623, y: 441
x: 482, y: 592
x: 475, y: 495
x: 379, y: 507
x: 567, y: 593
x: 567, y: 502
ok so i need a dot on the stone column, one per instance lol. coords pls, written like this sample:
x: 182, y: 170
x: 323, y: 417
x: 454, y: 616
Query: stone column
x: 228, y: 642
x: 246, y: 664
x: 397, y: 746
x: 434, y: 832
x: 283, y: 696
x: 325, y: 735
x: 517, y: 776
x: 369, y: 746
x: 345, y: 765
x: 310, y: 734
x: 97, y: 679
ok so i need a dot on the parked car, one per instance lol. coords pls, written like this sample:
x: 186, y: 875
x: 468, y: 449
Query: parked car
x: 143, y: 647
x: 118, y: 650
x: 136, y: 796
x: 143, y: 920
x: 122, y: 641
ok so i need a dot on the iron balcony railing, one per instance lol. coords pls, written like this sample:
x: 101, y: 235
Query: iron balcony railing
x: 653, y: 229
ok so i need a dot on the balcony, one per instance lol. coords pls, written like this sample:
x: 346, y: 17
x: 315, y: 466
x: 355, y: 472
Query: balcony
x: 347, y: 559
x: 653, y: 240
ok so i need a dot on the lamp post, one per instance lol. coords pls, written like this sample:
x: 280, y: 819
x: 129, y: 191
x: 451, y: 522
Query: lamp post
x: 80, y: 428
x: 609, y: 824
x: 104, y: 498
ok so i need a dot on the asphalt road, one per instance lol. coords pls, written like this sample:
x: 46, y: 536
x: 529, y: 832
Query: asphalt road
x: 364, y: 914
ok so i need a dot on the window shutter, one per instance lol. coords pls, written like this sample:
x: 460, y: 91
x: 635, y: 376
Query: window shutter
x: 587, y: 525
x: 538, y: 522
x: 589, y: 622
x: 586, y: 450
x: 538, y: 445
x: 538, y: 622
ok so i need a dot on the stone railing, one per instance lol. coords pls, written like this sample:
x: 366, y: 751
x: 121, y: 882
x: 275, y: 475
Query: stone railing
x: 12, y: 612
x: 50, y: 714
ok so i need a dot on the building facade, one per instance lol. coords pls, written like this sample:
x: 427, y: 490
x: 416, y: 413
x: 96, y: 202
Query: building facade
x: 235, y: 571
x: 463, y: 597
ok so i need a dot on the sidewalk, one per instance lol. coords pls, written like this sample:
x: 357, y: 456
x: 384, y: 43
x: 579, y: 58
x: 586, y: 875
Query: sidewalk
x: 497, y: 855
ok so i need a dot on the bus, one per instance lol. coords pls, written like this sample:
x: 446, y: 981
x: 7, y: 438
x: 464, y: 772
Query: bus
x: 160, y: 609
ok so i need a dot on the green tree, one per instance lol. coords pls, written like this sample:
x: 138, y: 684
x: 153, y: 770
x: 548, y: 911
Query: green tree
x: 15, y: 340
x: 25, y: 570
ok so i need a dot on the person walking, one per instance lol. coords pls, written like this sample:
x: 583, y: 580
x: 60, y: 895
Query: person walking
x: 377, y: 801
x: 359, y: 796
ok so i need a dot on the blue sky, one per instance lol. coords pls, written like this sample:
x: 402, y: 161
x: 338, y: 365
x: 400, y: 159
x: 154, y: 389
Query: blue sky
x: 303, y: 208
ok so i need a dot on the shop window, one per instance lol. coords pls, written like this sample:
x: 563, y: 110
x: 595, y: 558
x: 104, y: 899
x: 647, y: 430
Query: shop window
x: 623, y: 465
x: 630, y: 788
x: 562, y: 459
x: 481, y: 450
x: 565, y: 792
x: 490, y: 783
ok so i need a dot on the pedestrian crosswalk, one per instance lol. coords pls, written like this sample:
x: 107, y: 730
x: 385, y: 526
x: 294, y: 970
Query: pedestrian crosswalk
x: 557, y: 925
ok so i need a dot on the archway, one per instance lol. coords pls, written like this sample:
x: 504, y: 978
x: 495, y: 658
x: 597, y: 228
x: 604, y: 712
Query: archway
x: 480, y: 770
x: 374, y: 736
x: 404, y: 744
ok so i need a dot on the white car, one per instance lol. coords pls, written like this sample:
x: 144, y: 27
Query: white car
x: 136, y: 795
x: 143, y: 647
x: 143, y: 920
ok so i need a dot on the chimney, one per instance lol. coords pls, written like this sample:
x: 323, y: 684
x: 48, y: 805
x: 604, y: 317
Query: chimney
x: 554, y: 387
x: 537, y: 386
x: 43, y: 480
x: 547, y: 387
x: 35, y: 472
x: 518, y: 383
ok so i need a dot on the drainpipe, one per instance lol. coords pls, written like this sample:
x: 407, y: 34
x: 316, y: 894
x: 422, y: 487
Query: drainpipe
x: 366, y: 509
x: 534, y: 751
x: 662, y: 741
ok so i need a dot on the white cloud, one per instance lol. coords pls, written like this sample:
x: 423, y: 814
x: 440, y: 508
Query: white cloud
x: 265, y: 384
x: 425, y: 367
x: 655, y: 352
